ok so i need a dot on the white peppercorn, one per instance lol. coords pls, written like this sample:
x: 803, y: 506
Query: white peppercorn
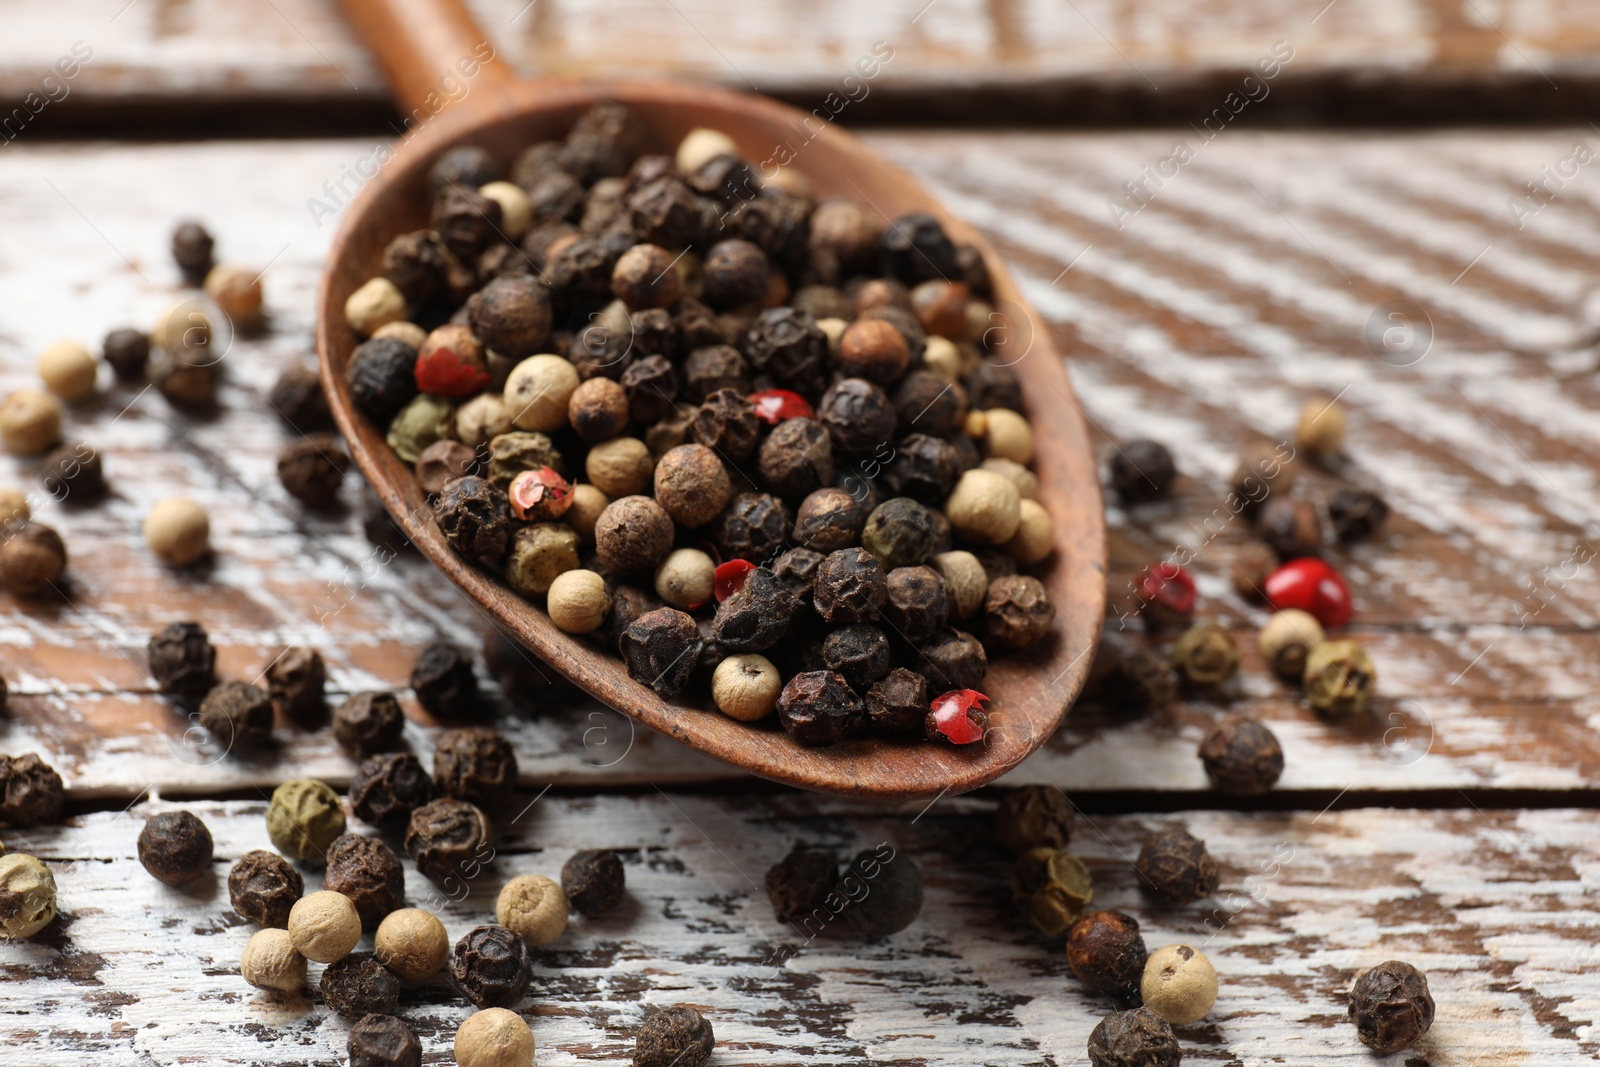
x: 620, y: 467
x: 966, y: 580
x: 494, y: 1037
x: 533, y: 907
x: 412, y: 943
x: 746, y: 687
x: 178, y: 531
x: 374, y: 305
x: 984, y: 507
x: 685, y: 578
x: 578, y: 602
x: 1179, y: 984
x: 68, y: 370
x: 270, y: 962
x: 1035, y: 536
x: 30, y: 422
x: 325, y: 926
x: 538, y: 391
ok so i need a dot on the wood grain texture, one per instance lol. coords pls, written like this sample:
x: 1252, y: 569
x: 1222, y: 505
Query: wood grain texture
x: 1206, y: 321
x: 1498, y: 909
x: 166, y: 51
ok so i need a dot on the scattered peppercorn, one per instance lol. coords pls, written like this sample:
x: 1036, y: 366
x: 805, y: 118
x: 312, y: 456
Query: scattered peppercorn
x: 238, y: 715
x: 1175, y: 867
x: 27, y: 896
x: 1311, y: 585
x: 1291, y: 527
x: 1034, y: 816
x: 412, y: 943
x: 1391, y: 1006
x: 594, y: 881
x: 269, y: 961
x: 895, y: 897
x: 1356, y: 514
x: 1106, y: 952
x: 1179, y: 984
x: 1136, y: 1038
x: 32, y: 560
x: 1142, y: 471
x: 324, y: 926
x: 1252, y: 565
x: 175, y: 847
x: 1320, y: 431
x: 192, y: 247
x: 677, y: 1036
x: 299, y: 401
x: 494, y: 1037
x: 31, y: 792
x: 378, y: 1040
x: 128, y: 352
x: 1242, y: 756
x: 444, y: 681
x: 30, y: 421
x: 303, y: 819
x: 262, y: 887
x: 1206, y: 654
x: 312, y: 468
x: 182, y: 659
x: 490, y: 966
x: 74, y: 473
x: 387, y: 788
x: 446, y: 836
x: 357, y: 985
x: 475, y: 764
x: 367, y: 723
x: 1052, y: 887
x: 1339, y: 678
x: 368, y: 872
x: 800, y: 883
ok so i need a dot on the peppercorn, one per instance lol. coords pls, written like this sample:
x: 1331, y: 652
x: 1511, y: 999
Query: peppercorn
x: 678, y: 1036
x: 510, y: 454
x: 715, y: 367
x: 312, y: 468
x: 1179, y: 984
x: 874, y: 350
x: 441, y: 462
x: 27, y: 896
x: 1175, y: 867
x: 1142, y: 471
x: 1356, y: 514
x: 692, y: 485
x: 859, y: 654
x: 1005, y: 434
x: 924, y: 468
x: 899, y: 532
x: 31, y: 791
x: 419, y: 425
x: 819, y: 708
x: 897, y: 704
x: 797, y: 457
x: 368, y: 723
x: 447, y: 836
x: 620, y: 467
x: 797, y: 570
x: 829, y: 520
x: 1017, y: 611
x: 299, y: 401
x: 303, y: 819
x: 511, y: 315
x: 984, y: 507
x: 1287, y: 640
x: 238, y: 715
x: 475, y: 517
x: 757, y: 615
x: 686, y: 579
x: 296, y: 679
x: 1313, y: 586
x: 895, y: 897
x: 1034, y: 816
x: 1136, y: 1038
x: 1252, y: 564
x: 378, y: 303
x: 387, y: 788
x: 1106, y: 952
x: 465, y: 165
x: 926, y: 403
x: 381, y: 376
x: 633, y: 535
x: 476, y: 764
x: 74, y: 473
x: 494, y: 1037
x: 735, y: 272
x: 181, y: 659
x: 412, y: 943
x: 1052, y: 887
x: 752, y: 527
x: 418, y: 264
x: 1139, y: 681
x: 661, y: 649
x: 847, y: 234
x: 31, y: 560
x: 801, y: 882
x: 490, y: 966
x: 1241, y: 756
x: 1264, y: 471
x: 915, y: 248
x: 777, y: 221
x: 594, y: 881
x: 324, y: 926
x: 444, y: 682
x: 358, y: 985
x: 465, y: 220
x: 857, y: 415
x: 787, y: 345
x: 384, y: 1041
x: 175, y: 847
x: 1206, y: 654
x: 538, y: 392
x: 1391, y: 1006
x: 269, y: 961
x: 964, y: 580
x: 368, y: 872
x: 1291, y: 527
x: 30, y: 421
x: 1321, y: 429
x: 262, y: 887
x: 916, y: 603
x: 191, y: 250
x: 128, y: 352
x: 851, y: 587
x: 482, y: 419
x: 1339, y: 678
x: 727, y: 422
x: 68, y: 370
x: 540, y: 553
x: 237, y: 293
x: 941, y: 306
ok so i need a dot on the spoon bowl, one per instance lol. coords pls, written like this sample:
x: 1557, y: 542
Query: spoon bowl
x: 1030, y: 691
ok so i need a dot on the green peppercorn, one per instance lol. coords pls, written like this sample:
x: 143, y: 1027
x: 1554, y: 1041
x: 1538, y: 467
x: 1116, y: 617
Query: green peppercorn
x: 1206, y: 654
x: 900, y: 533
x: 1052, y: 887
x: 303, y: 819
x: 426, y: 419
x: 1339, y: 678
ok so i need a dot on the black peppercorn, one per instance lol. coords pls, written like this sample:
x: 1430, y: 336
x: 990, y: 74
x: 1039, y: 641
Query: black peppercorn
x: 579, y: 272
x: 192, y: 247
x: 474, y: 763
x: 491, y: 967
x: 661, y: 649
x: 382, y: 377
x: 465, y: 165
x: 778, y: 222
x: 358, y: 985
x: 128, y: 352
x: 752, y: 527
x: 788, y: 346
x: 594, y: 881
x: 1391, y: 1006
x: 384, y: 1041
x: 797, y: 570
x: 916, y: 604
x: 1242, y: 756
x: 735, y: 272
x: 925, y: 403
x: 897, y: 706
x: 993, y: 385
x: 727, y: 422
x: 851, y: 587
x: 555, y: 197
x: 444, y: 682
x: 387, y: 788
x: 1291, y: 527
x: 893, y: 898
x: 368, y: 872
x: 916, y: 248
x: 858, y: 416
x: 1142, y: 470
x: 74, y: 473
x: 800, y: 883
x: 602, y: 144
x: 31, y: 560
x: 951, y: 659
x: 295, y: 680
x: 1139, y: 681
x: 1017, y: 611
x: 465, y: 220
x: 828, y: 520
x: 312, y: 468
x: 667, y: 212
x: 715, y: 367
x: 1175, y: 867
x: 448, y: 837
x: 418, y: 264
x: 819, y: 708
x: 1136, y: 1038
x: 859, y: 654
x: 475, y: 517
x: 238, y: 715
x: 299, y: 401
x: 899, y: 532
x: 175, y: 847
x: 262, y: 887
x: 797, y: 458
x: 1356, y: 514
x: 727, y: 178
x: 367, y: 723
x: 674, y: 1037
x: 511, y: 315
x: 651, y: 385
x: 1106, y: 952
x: 755, y: 616
x: 1035, y: 816
x: 925, y: 468
x: 182, y: 659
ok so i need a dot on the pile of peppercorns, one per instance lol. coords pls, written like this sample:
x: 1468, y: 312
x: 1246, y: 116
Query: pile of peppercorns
x: 749, y: 441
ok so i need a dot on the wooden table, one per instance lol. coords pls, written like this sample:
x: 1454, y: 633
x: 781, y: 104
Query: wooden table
x: 1454, y: 828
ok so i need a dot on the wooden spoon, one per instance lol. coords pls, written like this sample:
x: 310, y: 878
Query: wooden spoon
x: 422, y: 45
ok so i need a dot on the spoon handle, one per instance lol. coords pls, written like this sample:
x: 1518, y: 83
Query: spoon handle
x: 433, y: 52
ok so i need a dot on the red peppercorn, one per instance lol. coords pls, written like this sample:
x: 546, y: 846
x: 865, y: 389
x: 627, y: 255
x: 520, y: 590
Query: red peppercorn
x: 1311, y: 585
x: 1166, y: 593
x: 956, y: 717
x: 730, y: 578
x: 539, y: 495
x: 775, y: 405
x: 451, y: 363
